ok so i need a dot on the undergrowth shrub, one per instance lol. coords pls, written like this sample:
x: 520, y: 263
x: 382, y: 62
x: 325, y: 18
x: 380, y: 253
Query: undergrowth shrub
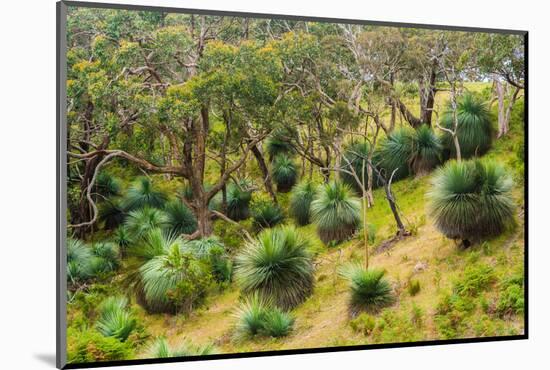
x: 363, y: 323
x: 511, y: 298
x: 413, y: 287
x: 475, y: 279
x: 91, y: 346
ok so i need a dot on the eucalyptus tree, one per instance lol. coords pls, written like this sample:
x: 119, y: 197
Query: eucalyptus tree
x: 161, y: 94
x: 502, y: 58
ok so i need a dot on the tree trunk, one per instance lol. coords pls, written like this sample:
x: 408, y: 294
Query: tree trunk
x: 504, y: 111
x: 502, y: 129
x: 427, y: 107
x: 203, y: 217
x: 265, y: 172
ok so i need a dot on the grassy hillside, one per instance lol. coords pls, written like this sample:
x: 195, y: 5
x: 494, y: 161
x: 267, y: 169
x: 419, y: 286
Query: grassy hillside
x: 442, y: 291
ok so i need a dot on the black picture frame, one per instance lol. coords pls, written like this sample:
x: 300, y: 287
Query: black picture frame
x: 61, y: 194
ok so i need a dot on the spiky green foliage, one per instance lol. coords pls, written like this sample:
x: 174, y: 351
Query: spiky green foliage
x: 395, y: 152
x: 107, y: 185
x: 284, y: 172
x: 427, y: 150
x: 160, y: 348
x: 174, y: 281
x: 266, y: 214
x: 370, y: 290
x: 336, y: 212
x: 278, y: 323
x: 238, y: 201
x: 143, y: 194
x: 474, y: 127
x: 105, y: 257
x: 141, y: 221
x: 278, y: 265
x: 122, y: 238
x: 355, y: 159
x: 115, y: 319
x: 111, y: 213
x: 211, y: 250
x: 155, y: 243
x: 257, y: 315
x: 179, y: 218
x: 79, y: 258
x: 471, y: 200
x: 300, y: 202
x: 278, y: 143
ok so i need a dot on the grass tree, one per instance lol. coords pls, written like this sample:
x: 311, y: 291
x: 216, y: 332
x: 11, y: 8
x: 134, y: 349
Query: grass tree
x: 79, y: 258
x: 277, y: 265
x: 370, y: 290
x: 278, y: 143
x: 395, y: 152
x: 173, y: 281
x: 336, y: 212
x: 266, y: 214
x: 257, y: 315
x: 105, y: 258
x: 160, y: 348
x: 112, y: 213
x: 473, y: 127
x: 284, y: 172
x: 238, y: 201
x: 144, y: 194
x: 300, y: 202
x: 471, y: 200
x: 179, y: 218
x: 141, y: 221
x: 115, y: 320
x: 107, y: 185
x: 427, y: 150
